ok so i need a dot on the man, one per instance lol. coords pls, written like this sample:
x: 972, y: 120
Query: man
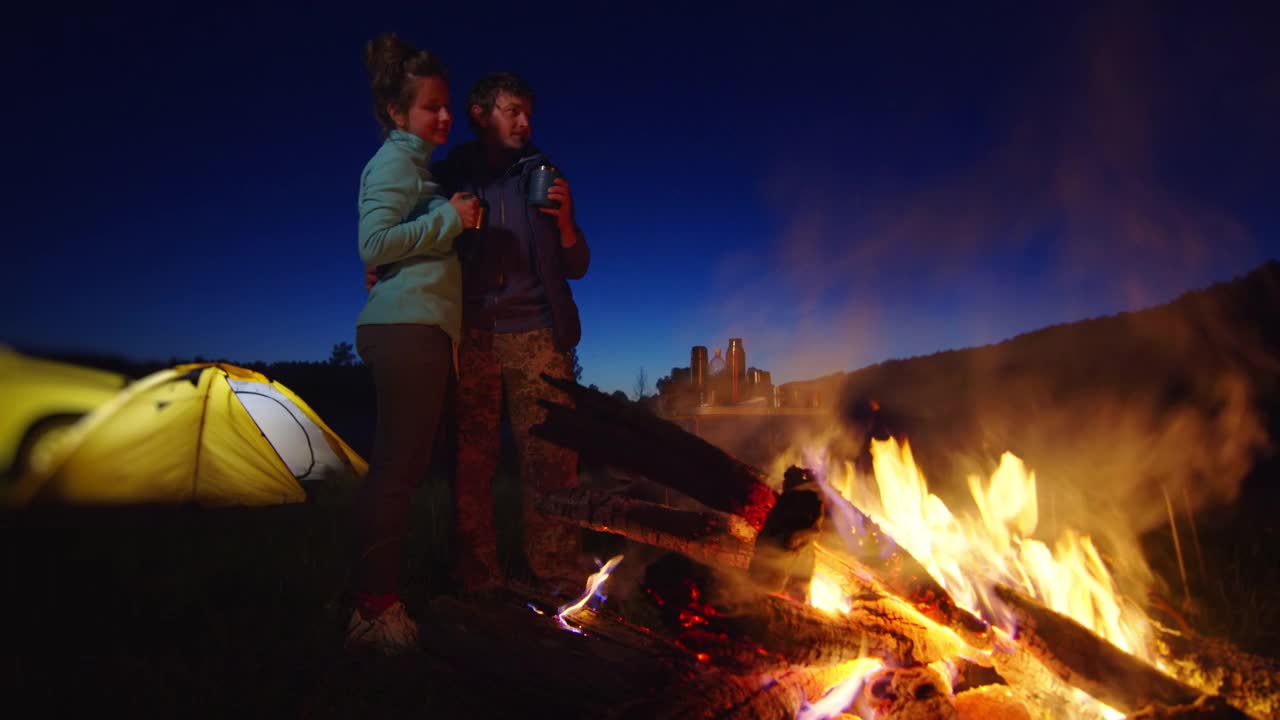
x: 519, y: 321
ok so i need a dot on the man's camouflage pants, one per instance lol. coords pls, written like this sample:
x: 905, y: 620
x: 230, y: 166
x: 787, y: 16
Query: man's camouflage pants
x: 494, y: 367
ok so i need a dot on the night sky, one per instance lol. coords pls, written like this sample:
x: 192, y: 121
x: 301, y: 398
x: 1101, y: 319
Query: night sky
x: 835, y: 186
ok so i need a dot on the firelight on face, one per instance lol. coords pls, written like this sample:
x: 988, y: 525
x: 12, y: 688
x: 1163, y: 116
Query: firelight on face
x: 428, y: 116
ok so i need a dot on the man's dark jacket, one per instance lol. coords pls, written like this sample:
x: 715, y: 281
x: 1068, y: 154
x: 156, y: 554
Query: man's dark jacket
x: 465, y: 170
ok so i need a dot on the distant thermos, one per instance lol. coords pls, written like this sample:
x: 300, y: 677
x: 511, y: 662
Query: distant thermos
x: 736, y: 365
x: 759, y: 384
x: 698, y: 365
x: 698, y: 370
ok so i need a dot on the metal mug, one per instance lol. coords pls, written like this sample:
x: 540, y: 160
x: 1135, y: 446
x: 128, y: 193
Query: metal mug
x: 543, y: 177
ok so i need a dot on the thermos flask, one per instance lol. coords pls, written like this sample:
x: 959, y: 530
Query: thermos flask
x: 544, y: 176
x: 698, y: 371
x: 736, y: 365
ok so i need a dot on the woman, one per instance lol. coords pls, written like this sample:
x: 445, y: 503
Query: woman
x: 409, y: 325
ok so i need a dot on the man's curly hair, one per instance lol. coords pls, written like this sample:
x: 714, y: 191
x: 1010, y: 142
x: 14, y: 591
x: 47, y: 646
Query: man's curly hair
x: 486, y: 90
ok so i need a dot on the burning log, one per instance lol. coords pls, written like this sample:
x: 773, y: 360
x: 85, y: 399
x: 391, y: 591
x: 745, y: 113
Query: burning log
x: 1216, y: 667
x: 1205, y: 708
x: 912, y: 693
x: 604, y: 428
x: 785, y: 555
x: 709, y: 536
x: 902, y: 574
x: 990, y: 702
x: 1045, y: 695
x: 1086, y: 661
x: 727, y: 696
x: 896, y: 602
x: 616, y: 432
x: 709, y: 608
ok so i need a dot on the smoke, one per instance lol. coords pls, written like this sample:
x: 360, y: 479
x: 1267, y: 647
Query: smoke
x: 1070, y: 214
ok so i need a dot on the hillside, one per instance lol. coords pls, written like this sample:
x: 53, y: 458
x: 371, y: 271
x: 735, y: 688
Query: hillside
x: 1187, y: 388
x: 1135, y: 424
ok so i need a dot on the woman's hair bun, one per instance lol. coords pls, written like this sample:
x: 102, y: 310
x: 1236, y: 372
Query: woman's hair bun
x: 384, y: 57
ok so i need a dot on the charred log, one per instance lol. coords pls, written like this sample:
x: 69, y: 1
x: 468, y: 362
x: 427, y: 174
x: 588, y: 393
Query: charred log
x: 1204, y: 708
x: 900, y: 572
x: 708, y: 536
x: 1086, y: 661
x: 1216, y: 667
x: 1045, y: 695
x: 620, y: 433
x: 603, y: 428
x: 991, y: 702
x: 727, y: 696
x: 707, y: 608
x: 785, y: 555
x: 912, y: 693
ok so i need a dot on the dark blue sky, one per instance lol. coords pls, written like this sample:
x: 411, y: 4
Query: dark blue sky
x: 837, y: 186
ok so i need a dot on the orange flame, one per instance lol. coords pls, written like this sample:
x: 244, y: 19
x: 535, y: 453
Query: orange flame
x: 840, y: 696
x: 969, y: 553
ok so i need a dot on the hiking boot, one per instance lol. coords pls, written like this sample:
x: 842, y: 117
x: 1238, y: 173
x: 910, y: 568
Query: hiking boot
x: 392, y: 632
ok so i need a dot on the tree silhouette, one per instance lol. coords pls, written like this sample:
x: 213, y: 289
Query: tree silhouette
x: 642, y: 385
x: 343, y: 354
x: 577, y: 366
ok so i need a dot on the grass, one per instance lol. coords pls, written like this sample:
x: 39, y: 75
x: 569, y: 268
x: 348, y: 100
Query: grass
x: 1233, y: 596
x: 215, y: 613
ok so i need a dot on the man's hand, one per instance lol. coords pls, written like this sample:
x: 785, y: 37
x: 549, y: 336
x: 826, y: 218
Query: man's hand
x: 370, y: 276
x: 559, y: 191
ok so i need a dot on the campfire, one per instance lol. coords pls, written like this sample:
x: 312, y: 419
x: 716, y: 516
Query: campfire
x: 851, y: 593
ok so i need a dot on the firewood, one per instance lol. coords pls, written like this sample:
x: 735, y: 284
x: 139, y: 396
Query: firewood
x: 990, y: 702
x: 1204, y: 708
x: 1090, y: 663
x: 622, y: 433
x: 918, y: 692
x: 709, y: 536
x: 720, y: 695
x: 700, y: 603
x: 604, y: 428
x: 1216, y: 667
x: 900, y: 572
x: 785, y: 555
x: 1045, y: 695
x: 616, y: 432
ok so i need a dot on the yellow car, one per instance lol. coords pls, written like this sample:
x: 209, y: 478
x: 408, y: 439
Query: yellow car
x: 39, y: 398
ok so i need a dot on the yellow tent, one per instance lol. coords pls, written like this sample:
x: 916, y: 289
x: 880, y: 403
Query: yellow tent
x: 42, y: 397
x: 208, y: 433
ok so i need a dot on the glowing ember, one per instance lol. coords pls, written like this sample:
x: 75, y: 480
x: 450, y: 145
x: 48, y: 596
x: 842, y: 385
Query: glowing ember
x: 595, y: 585
x: 834, y: 701
x: 825, y: 595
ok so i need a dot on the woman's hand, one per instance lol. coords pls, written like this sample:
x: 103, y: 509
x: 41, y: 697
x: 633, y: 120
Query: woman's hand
x: 468, y: 207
